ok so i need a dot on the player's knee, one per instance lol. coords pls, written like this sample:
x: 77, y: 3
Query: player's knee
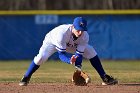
x: 39, y: 60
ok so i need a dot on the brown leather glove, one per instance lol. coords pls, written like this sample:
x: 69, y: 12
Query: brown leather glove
x: 80, y: 78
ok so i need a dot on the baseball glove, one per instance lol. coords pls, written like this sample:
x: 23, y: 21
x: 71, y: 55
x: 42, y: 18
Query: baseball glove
x: 80, y: 78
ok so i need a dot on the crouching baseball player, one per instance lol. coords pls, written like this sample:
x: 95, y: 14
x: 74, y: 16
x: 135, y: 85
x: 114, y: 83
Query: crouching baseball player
x: 68, y: 38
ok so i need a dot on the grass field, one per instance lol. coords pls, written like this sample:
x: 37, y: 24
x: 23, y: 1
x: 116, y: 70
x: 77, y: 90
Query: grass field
x: 56, y: 71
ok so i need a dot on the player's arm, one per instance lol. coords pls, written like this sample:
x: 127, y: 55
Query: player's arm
x: 60, y: 45
x: 80, y: 50
x: 78, y: 62
x: 63, y: 55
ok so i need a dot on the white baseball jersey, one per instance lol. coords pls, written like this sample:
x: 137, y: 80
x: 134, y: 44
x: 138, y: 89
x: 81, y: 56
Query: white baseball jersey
x: 61, y: 39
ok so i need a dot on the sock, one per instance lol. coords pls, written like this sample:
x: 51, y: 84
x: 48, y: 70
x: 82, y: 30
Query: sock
x: 96, y: 63
x: 32, y: 68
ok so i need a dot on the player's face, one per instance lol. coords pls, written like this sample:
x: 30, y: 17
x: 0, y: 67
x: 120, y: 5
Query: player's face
x: 77, y: 33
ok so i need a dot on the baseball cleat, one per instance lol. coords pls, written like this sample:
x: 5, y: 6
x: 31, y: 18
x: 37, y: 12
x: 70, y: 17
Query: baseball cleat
x: 24, y: 81
x: 109, y: 80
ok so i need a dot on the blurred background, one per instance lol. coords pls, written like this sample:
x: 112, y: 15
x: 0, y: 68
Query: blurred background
x: 68, y: 4
x: 114, y: 35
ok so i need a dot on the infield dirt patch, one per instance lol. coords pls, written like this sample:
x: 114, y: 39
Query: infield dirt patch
x: 68, y: 88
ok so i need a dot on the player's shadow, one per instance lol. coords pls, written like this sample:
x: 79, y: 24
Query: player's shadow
x: 131, y: 84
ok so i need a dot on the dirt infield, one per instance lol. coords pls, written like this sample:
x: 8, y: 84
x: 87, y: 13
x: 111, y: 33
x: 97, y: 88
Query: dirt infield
x: 67, y: 88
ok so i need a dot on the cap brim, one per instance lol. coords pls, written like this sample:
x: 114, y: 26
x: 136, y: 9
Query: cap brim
x: 81, y: 28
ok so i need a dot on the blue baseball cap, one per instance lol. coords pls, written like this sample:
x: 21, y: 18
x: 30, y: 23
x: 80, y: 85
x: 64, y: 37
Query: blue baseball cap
x: 80, y: 23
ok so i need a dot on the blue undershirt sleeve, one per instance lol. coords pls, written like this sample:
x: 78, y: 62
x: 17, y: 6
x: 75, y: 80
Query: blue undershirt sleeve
x: 79, y: 59
x: 64, y: 57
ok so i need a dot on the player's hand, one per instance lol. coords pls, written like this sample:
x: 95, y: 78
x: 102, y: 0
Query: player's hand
x: 73, y: 59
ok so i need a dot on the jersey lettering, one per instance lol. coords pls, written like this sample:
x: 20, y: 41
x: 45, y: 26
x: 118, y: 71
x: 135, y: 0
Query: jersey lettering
x: 72, y: 45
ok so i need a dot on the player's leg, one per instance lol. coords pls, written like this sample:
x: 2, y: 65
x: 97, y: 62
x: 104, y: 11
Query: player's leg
x: 44, y: 53
x: 26, y: 78
x: 91, y: 54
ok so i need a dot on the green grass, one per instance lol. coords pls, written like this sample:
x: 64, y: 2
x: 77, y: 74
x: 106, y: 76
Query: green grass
x: 56, y: 71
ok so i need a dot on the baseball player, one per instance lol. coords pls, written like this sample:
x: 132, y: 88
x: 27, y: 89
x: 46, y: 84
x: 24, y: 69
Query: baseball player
x: 68, y: 38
